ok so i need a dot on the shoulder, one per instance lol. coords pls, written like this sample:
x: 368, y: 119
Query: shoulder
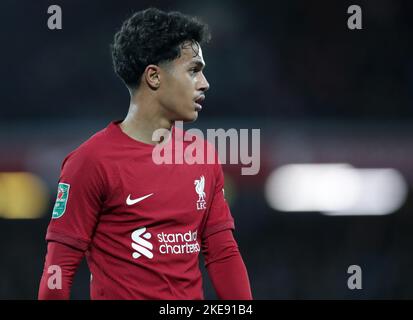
x: 91, y: 151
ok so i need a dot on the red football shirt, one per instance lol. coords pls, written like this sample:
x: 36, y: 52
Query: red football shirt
x: 141, y: 224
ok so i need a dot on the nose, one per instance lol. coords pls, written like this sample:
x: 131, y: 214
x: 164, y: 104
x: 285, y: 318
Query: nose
x: 203, y: 83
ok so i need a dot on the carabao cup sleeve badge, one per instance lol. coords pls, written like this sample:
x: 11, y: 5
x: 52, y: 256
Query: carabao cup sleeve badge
x: 61, y: 200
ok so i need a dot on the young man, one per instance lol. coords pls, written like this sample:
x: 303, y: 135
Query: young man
x: 142, y: 225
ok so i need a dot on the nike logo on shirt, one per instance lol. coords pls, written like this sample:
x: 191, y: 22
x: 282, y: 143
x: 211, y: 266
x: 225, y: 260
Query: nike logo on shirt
x: 130, y: 201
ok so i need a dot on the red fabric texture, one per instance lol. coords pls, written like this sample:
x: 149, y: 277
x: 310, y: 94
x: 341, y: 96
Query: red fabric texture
x: 225, y: 267
x: 61, y: 264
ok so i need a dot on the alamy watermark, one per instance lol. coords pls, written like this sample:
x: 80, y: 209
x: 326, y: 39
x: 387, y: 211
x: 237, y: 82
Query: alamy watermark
x: 54, y: 282
x: 54, y: 22
x: 191, y: 147
x: 354, y: 21
x: 355, y: 280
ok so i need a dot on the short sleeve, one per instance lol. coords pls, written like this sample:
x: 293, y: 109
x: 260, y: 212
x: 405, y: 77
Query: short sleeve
x: 79, y: 200
x: 219, y: 215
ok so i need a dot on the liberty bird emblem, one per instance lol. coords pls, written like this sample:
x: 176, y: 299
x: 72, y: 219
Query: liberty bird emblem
x: 199, y: 188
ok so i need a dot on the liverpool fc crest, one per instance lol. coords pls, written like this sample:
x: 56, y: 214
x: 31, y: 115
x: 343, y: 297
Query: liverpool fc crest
x: 199, y: 188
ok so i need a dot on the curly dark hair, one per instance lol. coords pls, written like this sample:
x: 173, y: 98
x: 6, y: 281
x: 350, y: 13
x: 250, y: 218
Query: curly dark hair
x: 152, y: 36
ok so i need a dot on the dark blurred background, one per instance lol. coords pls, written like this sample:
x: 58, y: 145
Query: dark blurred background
x: 319, y: 92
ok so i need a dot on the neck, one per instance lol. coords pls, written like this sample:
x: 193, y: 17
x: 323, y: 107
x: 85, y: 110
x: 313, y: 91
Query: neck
x: 143, y: 118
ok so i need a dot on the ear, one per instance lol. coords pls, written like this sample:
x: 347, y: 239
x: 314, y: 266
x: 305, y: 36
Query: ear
x: 152, y: 76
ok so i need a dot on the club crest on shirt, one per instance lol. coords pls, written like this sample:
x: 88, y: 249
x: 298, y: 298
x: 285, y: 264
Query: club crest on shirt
x: 61, y: 200
x: 199, y: 188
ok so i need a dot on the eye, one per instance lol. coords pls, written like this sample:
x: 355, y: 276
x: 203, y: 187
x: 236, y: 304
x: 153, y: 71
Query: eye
x: 194, y: 70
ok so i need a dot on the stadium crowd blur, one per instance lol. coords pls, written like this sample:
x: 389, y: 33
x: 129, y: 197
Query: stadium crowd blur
x: 319, y: 93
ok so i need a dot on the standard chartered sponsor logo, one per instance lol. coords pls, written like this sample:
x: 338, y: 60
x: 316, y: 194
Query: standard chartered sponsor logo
x: 178, y: 243
x: 142, y: 246
x: 169, y: 243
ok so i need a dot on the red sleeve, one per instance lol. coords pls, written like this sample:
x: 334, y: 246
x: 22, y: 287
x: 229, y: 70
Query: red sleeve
x: 59, y: 269
x: 225, y: 267
x: 219, y: 215
x: 80, y: 196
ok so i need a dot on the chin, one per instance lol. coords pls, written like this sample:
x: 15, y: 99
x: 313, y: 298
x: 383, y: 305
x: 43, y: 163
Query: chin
x: 195, y: 116
x: 189, y: 117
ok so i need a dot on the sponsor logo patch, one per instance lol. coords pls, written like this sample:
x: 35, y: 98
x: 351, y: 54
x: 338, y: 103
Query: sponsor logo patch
x: 61, y: 200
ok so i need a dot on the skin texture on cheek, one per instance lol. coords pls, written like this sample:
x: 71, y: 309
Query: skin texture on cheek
x: 179, y: 84
x: 178, y: 93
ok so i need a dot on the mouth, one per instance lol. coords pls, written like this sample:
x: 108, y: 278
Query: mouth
x: 198, y: 101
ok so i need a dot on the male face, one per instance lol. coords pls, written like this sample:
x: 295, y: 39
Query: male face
x: 183, y: 84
